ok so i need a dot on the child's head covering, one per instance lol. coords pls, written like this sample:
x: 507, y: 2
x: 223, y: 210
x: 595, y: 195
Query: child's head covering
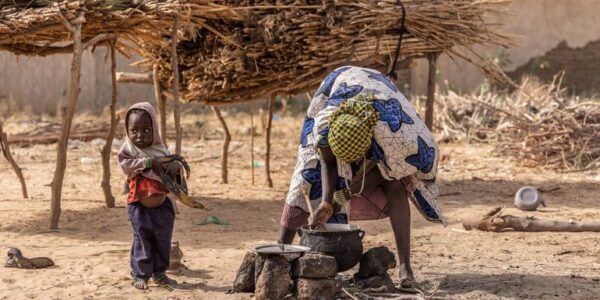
x: 157, y: 148
x: 351, y: 129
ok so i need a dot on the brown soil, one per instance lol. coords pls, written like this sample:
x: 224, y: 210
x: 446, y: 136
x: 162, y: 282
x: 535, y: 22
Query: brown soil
x: 91, y: 249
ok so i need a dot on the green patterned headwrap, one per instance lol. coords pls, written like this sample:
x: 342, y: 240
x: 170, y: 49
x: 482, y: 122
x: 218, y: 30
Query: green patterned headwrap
x: 351, y: 128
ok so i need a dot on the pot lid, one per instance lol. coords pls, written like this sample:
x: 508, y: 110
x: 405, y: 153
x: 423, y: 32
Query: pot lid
x: 280, y: 249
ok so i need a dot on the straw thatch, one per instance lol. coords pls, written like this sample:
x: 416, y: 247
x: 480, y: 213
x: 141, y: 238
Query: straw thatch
x: 35, y: 27
x: 244, y: 50
x: 536, y: 124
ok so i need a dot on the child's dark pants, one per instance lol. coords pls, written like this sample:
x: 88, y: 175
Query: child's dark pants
x: 152, y: 232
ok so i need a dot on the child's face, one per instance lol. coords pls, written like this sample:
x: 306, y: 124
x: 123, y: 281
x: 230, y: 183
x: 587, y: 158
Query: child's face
x: 140, y: 130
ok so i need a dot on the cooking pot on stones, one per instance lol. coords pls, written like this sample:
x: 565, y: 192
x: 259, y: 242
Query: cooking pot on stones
x: 342, y: 241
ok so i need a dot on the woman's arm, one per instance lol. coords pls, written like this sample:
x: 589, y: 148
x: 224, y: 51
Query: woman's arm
x: 329, y: 173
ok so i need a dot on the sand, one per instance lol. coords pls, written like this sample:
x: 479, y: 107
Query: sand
x: 91, y: 248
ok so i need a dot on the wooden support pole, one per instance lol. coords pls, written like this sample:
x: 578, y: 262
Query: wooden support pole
x: 268, y: 140
x: 161, y: 102
x: 67, y: 113
x: 175, y: 67
x: 226, y: 141
x: 432, y: 60
x: 106, y: 150
x: 252, y: 143
x: 6, y: 151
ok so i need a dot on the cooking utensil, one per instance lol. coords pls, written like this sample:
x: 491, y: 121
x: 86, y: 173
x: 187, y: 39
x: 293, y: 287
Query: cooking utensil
x: 280, y: 249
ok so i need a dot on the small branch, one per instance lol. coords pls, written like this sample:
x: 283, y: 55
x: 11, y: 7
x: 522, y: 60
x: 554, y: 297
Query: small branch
x: 268, y: 140
x: 226, y: 141
x: 99, y: 38
x: 6, y: 151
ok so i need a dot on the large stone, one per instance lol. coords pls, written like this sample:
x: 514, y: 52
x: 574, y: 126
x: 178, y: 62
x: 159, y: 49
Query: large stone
x: 316, y: 289
x: 258, y: 265
x: 379, y: 283
x: 376, y: 262
x: 314, y: 265
x: 244, y: 280
x: 274, y: 280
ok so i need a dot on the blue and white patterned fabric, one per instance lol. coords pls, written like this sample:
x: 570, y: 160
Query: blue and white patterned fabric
x: 403, y: 148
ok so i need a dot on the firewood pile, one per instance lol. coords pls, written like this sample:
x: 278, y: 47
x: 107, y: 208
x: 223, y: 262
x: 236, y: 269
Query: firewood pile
x: 243, y: 50
x: 35, y: 27
x: 537, y: 124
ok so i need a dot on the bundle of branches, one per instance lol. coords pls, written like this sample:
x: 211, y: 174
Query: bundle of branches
x: 35, y: 27
x: 536, y: 124
x: 244, y: 50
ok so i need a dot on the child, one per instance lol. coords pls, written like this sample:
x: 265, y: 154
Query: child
x: 150, y: 210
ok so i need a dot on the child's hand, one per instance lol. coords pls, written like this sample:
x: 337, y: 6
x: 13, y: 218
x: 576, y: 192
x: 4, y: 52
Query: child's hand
x: 173, y: 168
x: 157, y: 167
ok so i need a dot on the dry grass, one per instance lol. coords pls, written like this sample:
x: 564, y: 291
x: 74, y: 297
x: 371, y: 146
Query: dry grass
x: 241, y: 52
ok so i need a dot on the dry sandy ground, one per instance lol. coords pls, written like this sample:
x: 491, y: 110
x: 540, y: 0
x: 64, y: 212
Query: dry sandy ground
x: 91, y: 249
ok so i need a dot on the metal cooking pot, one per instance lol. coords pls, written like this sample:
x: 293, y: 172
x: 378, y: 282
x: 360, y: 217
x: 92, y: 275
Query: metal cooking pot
x: 342, y: 241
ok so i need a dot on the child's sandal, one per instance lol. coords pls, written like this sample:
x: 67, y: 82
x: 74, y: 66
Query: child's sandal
x: 139, y: 283
x: 163, y: 279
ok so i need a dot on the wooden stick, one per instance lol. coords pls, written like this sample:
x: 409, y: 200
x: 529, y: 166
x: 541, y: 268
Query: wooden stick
x: 227, y: 139
x: 252, y: 143
x: 161, y: 102
x: 106, y: 150
x: 67, y: 113
x: 496, y: 222
x: 432, y: 60
x: 6, y: 151
x: 268, y: 140
x: 128, y: 77
x: 175, y: 67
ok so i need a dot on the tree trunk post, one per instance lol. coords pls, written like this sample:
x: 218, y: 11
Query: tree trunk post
x: 161, y: 102
x: 252, y: 144
x: 6, y: 151
x: 67, y: 113
x: 432, y: 60
x: 106, y: 150
x: 268, y: 140
x: 175, y: 67
x: 226, y: 141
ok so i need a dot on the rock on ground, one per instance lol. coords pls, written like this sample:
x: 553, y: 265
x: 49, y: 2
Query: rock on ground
x: 380, y: 283
x: 314, y: 265
x: 244, y: 280
x: 316, y: 289
x: 274, y: 279
x: 375, y: 262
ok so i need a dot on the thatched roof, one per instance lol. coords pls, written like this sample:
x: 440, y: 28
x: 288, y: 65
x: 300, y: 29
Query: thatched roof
x: 245, y: 50
x: 35, y: 27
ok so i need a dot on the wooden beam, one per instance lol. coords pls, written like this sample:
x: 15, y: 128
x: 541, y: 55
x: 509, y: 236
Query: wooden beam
x: 432, y: 60
x: 128, y: 77
x: 268, y: 140
x: 6, y: 151
x: 67, y: 114
x: 106, y: 150
x: 175, y: 67
x: 226, y: 141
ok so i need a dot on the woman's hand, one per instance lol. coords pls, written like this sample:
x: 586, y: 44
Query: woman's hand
x: 321, y: 215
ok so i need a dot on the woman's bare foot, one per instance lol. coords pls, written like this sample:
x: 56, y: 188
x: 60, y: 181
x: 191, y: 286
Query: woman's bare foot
x: 163, y: 279
x: 407, y: 279
x: 139, y: 283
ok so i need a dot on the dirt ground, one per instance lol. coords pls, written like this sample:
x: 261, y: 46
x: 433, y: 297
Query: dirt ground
x: 91, y: 249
